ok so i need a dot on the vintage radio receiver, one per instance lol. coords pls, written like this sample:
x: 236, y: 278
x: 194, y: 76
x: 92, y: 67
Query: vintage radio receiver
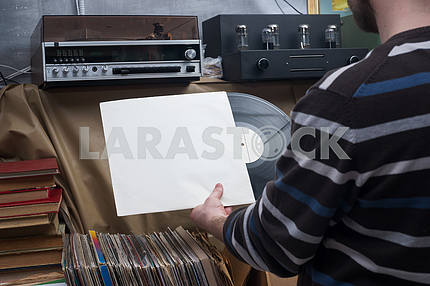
x: 69, y: 50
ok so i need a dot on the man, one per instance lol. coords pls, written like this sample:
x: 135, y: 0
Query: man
x: 358, y: 221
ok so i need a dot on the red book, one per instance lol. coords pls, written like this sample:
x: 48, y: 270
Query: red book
x: 28, y: 168
x: 28, y: 174
x: 24, y: 195
x: 43, y: 206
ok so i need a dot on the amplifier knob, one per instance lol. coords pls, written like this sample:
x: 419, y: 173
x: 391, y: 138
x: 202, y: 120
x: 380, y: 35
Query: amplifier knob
x: 75, y: 69
x: 55, y: 70
x: 353, y: 59
x: 85, y: 69
x: 105, y: 68
x: 263, y: 64
x: 65, y: 69
x: 190, y: 54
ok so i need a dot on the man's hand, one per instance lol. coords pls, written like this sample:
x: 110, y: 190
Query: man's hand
x: 212, y: 214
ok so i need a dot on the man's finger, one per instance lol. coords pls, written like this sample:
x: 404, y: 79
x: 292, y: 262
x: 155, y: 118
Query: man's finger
x: 217, y: 192
x: 228, y: 210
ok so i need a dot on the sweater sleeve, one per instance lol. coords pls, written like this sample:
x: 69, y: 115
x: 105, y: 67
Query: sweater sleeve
x: 283, y: 229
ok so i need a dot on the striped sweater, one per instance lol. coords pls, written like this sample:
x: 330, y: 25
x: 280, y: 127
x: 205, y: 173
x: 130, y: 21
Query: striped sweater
x: 358, y: 221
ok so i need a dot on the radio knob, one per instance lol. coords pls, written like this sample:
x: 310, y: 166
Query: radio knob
x: 85, y: 69
x: 75, y: 69
x: 190, y: 54
x: 65, y: 69
x: 105, y: 68
x: 55, y: 70
x: 263, y: 64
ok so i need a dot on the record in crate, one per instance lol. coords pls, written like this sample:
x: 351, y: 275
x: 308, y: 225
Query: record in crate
x: 174, y: 257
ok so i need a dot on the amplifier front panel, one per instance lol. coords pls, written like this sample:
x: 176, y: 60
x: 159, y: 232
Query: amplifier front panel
x: 284, y: 64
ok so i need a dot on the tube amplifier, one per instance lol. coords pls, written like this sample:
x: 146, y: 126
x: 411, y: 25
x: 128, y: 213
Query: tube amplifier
x: 270, y: 47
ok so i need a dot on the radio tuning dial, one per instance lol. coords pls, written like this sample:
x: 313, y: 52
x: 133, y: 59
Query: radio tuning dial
x: 85, y: 69
x: 55, y: 70
x: 190, y: 54
x: 104, y: 68
x: 75, y: 69
x: 65, y: 69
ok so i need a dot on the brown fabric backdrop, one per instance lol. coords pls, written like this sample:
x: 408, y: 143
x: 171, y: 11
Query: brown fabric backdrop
x: 46, y: 123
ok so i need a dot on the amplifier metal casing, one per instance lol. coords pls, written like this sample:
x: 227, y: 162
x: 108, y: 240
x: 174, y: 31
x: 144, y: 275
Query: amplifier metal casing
x: 96, y: 51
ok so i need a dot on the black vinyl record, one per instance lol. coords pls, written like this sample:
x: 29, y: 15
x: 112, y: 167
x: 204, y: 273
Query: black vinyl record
x: 272, y: 125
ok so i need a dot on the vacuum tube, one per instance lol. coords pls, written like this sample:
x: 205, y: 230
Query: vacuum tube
x: 274, y: 29
x: 332, y: 36
x: 241, y: 37
x: 304, y: 36
x: 267, y: 39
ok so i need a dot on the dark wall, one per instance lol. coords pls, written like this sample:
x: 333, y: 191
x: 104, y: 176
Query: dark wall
x: 19, y: 17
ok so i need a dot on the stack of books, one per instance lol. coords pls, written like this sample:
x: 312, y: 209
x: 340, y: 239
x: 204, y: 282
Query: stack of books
x: 171, y: 258
x: 30, y: 233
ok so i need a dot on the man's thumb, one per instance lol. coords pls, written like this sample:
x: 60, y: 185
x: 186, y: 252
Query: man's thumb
x: 217, y: 192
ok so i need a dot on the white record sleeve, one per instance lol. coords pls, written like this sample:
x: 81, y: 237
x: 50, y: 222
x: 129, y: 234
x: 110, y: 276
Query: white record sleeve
x: 167, y: 152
